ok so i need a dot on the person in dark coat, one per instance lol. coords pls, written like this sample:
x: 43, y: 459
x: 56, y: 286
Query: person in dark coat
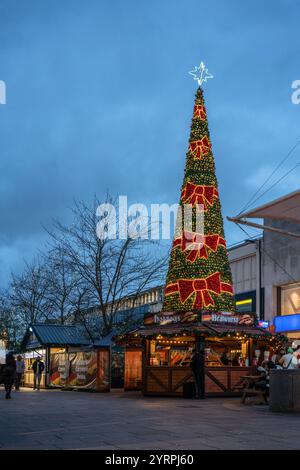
x: 197, y: 366
x: 9, y: 373
x: 38, y: 366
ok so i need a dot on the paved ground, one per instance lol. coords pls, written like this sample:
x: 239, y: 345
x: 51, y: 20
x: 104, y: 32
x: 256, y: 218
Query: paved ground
x: 78, y: 420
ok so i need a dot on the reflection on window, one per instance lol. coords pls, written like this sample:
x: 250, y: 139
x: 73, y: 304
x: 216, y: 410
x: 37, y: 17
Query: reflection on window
x: 290, y: 299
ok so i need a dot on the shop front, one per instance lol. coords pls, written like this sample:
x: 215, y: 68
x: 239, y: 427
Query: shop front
x: 230, y: 343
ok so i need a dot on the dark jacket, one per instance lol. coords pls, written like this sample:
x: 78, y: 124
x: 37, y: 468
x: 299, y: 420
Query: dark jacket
x: 9, y: 372
x: 197, y: 363
x: 38, y: 367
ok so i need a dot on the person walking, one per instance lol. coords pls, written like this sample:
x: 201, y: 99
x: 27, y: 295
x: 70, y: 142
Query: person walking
x: 20, y: 369
x: 38, y: 366
x: 197, y: 366
x: 9, y: 372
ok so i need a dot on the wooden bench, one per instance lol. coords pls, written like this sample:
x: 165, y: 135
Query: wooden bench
x: 249, y: 392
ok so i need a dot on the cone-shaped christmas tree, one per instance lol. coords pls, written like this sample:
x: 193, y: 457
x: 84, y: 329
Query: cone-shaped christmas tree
x: 199, y: 276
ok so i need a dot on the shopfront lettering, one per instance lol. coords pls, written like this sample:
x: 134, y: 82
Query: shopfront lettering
x: 167, y: 319
x: 224, y: 319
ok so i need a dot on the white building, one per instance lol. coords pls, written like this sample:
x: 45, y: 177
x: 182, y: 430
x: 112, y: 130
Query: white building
x: 266, y: 271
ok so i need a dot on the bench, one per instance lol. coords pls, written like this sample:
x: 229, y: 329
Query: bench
x: 249, y: 392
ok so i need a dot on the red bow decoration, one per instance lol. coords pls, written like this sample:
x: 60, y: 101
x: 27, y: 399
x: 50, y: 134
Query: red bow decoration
x: 200, y: 289
x: 199, y: 112
x: 201, y: 147
x: 196, y: 245
x: 195, y: 194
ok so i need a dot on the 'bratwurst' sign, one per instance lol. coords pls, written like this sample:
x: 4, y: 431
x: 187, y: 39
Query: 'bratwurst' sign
x: 166, y: 318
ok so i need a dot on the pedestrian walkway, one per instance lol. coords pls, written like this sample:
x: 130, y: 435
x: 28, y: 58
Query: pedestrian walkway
x: 54, y: 419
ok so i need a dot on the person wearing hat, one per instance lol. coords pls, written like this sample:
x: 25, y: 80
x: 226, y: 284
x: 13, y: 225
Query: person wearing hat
x: 288, y: 360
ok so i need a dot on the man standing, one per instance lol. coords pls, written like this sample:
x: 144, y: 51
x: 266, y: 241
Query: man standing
x: 20, y: 368
x: 9, y: 371
x: 197, y: 366
x: 38, y: 366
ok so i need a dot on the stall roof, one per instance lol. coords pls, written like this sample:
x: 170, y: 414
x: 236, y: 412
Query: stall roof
x: 242, y: 329
x: 213, y: 329
x: 51, y: 334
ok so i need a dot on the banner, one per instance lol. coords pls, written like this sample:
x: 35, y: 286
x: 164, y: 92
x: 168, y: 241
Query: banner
x: 166, y: 318
x: 77, y: 370
x: 58, y: 369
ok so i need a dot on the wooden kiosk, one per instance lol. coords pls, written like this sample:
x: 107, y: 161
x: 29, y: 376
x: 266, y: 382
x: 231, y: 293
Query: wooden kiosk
x: 231, y: 344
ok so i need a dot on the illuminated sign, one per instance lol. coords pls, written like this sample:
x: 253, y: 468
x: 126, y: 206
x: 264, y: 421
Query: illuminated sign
x: 263, y: 324
x: 243, y: 302
x: 287, y: 323
x: 166, y: 318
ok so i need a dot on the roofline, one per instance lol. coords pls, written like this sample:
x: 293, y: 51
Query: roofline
x: 248, y: 241
x: 269, y: 204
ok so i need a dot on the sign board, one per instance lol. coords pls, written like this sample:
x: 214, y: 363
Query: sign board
x: 263, y: 324
x: 166, y: 318
x: 287, y: 323
x: 77, y: 370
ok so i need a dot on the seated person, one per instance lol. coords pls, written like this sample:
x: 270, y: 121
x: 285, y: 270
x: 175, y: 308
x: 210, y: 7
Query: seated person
x: 264, y: 372
x: 224, y: 359
x: 262, y: 383
x: 235, y: 360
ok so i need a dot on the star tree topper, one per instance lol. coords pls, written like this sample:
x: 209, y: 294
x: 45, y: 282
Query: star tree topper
x: 201, y: 73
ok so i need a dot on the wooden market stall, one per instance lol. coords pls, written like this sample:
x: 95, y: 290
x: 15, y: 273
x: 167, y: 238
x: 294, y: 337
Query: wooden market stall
x: 71, y: 360
x: 160, y: 353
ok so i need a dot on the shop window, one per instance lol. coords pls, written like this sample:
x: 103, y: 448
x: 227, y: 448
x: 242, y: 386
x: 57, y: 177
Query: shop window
x: 290, y: 299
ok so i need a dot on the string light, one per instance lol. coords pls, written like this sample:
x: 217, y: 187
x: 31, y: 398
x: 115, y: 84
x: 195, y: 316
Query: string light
x: 207, y: 263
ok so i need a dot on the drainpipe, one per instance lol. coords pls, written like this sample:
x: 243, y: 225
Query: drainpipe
x: 260, y: 301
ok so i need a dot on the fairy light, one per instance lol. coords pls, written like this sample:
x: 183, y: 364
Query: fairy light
x: 208, y: 261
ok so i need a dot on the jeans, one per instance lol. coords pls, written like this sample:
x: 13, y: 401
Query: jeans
x: 199, y: 385
x: 18, y: 380
x: 8, y: 387
x: 37, y: 381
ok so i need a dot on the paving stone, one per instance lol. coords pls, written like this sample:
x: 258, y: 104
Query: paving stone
x: 68, y: 420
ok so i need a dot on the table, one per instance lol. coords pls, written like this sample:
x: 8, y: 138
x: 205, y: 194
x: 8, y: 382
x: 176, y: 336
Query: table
x: 249, y: 388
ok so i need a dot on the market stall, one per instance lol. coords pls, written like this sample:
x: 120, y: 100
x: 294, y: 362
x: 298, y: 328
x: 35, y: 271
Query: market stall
x: 232, y: 346
x: 71, y: 360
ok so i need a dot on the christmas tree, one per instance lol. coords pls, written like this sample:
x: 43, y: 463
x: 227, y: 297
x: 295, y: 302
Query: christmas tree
x: 199, y: 276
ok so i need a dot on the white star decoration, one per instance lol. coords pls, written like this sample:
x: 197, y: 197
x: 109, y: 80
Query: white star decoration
x: 201, y: 74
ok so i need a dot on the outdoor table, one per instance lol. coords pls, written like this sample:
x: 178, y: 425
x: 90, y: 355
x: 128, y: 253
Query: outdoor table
x: 249, y: 388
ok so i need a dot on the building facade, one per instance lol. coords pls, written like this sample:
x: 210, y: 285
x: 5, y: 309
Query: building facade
x: 266, y: 274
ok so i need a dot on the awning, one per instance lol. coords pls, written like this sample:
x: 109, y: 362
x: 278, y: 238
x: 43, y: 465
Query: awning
x: 285, y: 208
x: 241, y: 329
x: 210, y: 329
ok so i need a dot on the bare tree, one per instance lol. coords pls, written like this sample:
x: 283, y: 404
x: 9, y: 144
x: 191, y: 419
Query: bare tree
x: 62, y: 283
x: 11, y: 328
x: 29, y: 293
x: 111, y: 267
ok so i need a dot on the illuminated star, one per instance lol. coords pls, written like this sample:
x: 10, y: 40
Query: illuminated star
x: 201, y: 74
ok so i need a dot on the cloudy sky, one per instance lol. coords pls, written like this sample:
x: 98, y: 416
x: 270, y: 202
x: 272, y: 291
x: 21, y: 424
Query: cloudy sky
x: 98, y: 97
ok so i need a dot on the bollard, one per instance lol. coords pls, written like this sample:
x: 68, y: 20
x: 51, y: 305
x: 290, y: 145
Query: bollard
x: 285, y: 390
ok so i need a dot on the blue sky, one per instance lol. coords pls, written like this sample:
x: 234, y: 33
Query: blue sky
x: 98, y: 97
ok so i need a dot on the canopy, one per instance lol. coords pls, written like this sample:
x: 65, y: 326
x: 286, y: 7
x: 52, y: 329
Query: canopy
x: 208, y: 329
x: 285, y: 208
